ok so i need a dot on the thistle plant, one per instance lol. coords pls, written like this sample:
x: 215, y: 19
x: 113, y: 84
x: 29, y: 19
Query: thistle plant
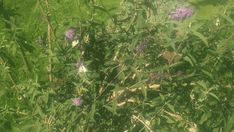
x: 77, y: 101
x: 70, y: 34
x: 181, y: 13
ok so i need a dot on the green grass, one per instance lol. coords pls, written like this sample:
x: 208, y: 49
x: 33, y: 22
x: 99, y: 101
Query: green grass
x: 145, y: 71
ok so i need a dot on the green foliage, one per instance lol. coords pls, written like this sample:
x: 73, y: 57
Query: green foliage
x: 134, y: 67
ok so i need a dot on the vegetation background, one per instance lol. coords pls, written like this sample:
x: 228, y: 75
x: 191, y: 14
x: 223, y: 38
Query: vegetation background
x: 129, y: 65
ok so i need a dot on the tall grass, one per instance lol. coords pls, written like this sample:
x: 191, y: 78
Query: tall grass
x: 100, y: 65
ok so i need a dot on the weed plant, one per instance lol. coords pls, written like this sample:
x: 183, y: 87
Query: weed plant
x: 131, y: 65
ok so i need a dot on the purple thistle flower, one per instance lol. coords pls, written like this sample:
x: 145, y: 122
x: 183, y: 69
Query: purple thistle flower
x: 77, y: 101
x: 70, y: 34
x: 181, y: 13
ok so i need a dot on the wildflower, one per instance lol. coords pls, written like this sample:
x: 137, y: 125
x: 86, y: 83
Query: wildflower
x: 77, y: 101
x: 70, y: 34
x: 86, y: 39
x: 217, y: 23
x: 75, y: 43
x: 181, y: 13
x: 80, y: 66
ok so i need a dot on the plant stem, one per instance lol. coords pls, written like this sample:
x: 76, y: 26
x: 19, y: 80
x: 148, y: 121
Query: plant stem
x: 49, y: 30
x: 50, y: 53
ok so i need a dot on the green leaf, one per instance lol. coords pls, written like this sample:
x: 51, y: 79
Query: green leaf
x: 230, y: 124
x: 171, y: 107
x: 92, y: 112
x: 204, y: 118
x: 200, y: 36
x: 162, y: 97
x: 229, y: 19
x: 144, y: 92
x: 109, y: 108
x: 39, y: 111
x: 208, y: 74
x: 170, y: 121
x: 202, y: 84
x: 186, y: 58
x: 213, y: 95
x: 112, y: 108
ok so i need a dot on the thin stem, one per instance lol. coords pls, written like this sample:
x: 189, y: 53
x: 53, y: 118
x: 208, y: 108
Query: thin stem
x: 143, y: 122
x: 49, y: 44
x: 50, y: 53
x: 49, y: 32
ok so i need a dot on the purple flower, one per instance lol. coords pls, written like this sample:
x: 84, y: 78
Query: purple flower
x: 77, y: 101
x: 70, y: 34
x: 181, y: 13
